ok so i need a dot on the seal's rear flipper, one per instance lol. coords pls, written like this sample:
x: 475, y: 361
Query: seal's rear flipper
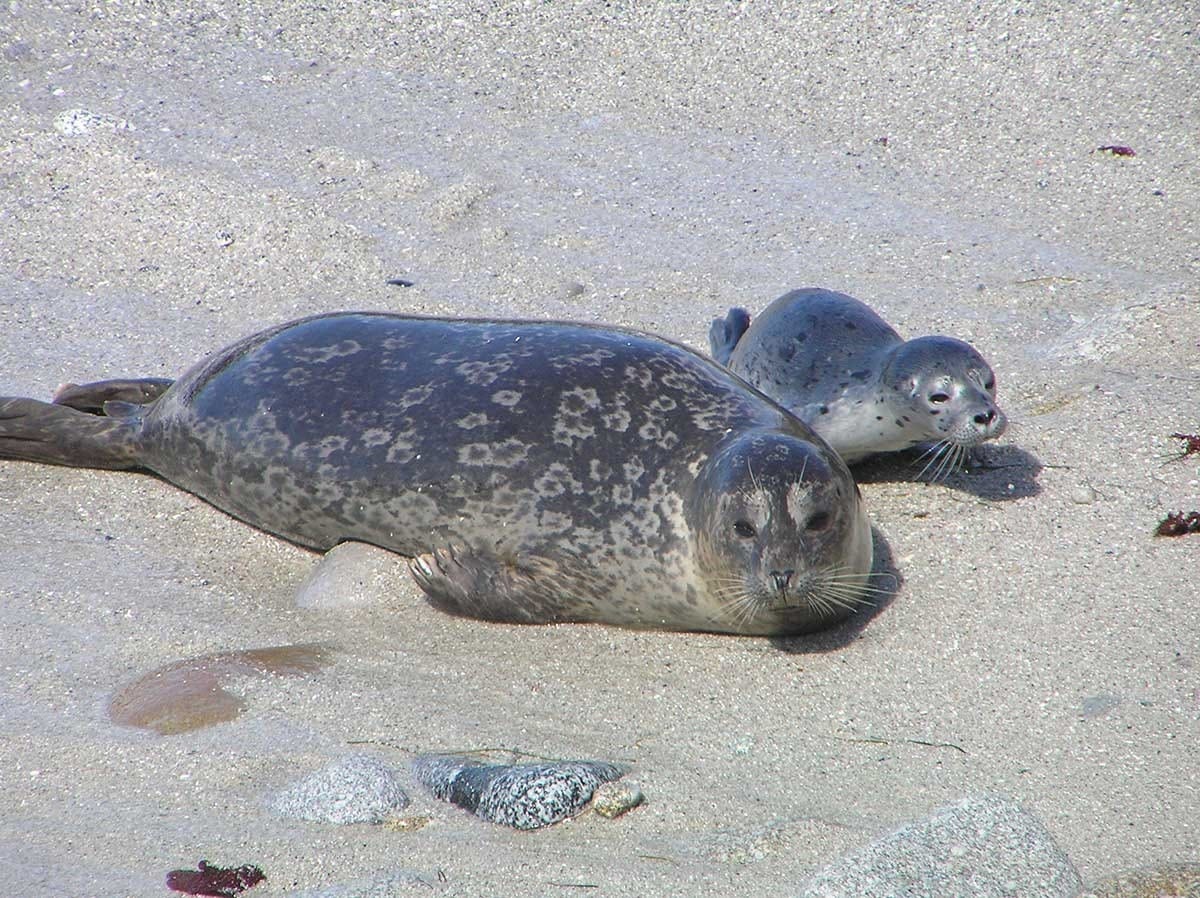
x: 465, y: 581
x: 91, y: 397
x: 58, y: 435
x: 725, y: 332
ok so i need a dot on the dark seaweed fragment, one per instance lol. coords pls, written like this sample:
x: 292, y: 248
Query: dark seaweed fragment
x: 221, y: 882
x: 1178, y: 523
x: 1191, y: 443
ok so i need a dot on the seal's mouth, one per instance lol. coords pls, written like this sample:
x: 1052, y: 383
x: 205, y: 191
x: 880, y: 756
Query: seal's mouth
x: 782, y: 581
x: 946, y: 456
x: 832, y: 592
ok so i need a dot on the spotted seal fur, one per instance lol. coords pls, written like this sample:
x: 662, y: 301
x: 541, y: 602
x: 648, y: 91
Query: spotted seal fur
x: 534, y: 471
x: 835, y: 363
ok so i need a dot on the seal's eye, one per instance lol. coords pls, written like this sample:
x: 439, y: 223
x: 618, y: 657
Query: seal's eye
x: 939, y: 398
x: 744, y: 529
x: 818, y: 521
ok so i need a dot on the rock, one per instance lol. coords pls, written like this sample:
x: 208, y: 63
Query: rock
x: 524, y: 796
x: 1083, y: 493
x: 354, y: 789
x: 611, y: 800
x: 351, y: 574
x: 984, y: 847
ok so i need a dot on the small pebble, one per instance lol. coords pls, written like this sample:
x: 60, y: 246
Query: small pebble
x: 80, y: 122
x: 1083, y: 494
x: 1096, y: 705
x: 613, y: 799
x: 407, y: 824
x: 354, y: 789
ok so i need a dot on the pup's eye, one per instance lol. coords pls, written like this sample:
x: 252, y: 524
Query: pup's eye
x: 939, y: 398
x: 744, y: 529
x: 818, y: 521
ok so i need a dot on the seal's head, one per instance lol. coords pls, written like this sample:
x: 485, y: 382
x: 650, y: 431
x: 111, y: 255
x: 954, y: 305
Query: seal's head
x: 944, y: 392
x: 782, y: 540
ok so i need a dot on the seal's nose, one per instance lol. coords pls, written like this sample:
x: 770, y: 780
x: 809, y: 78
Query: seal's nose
x: 782, y: 579
x: 983, y: 419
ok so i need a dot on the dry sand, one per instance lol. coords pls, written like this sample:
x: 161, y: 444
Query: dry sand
x: 175, y: 176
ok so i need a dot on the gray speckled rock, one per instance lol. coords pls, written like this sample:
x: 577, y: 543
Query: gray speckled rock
x: 524, y: 796
x: 983, y: 847
x: 354, y: 789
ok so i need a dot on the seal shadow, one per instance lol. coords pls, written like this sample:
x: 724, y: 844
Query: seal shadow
x: 885, y: 577
x: 997, y: 472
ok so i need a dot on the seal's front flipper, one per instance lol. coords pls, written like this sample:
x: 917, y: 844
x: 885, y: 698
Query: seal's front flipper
x: 58, y: 435
x: 725, y: 332
x: 473, y: 583
x: 92, y: 397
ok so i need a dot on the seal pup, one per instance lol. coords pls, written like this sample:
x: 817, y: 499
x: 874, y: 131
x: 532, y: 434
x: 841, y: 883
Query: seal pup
x: 533, y: 471
x: 835, y: 363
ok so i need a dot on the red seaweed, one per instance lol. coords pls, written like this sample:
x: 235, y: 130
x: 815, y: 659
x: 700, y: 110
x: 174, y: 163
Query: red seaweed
x: 221, y: 882
x: 1191, y: 443
x: 1116, y: 150
x: 1178, y: 523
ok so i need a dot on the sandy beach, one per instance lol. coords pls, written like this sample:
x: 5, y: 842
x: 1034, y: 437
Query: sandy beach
x: 173, y: 178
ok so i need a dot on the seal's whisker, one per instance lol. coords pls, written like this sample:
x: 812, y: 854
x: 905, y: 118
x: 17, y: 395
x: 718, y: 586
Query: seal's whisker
x: 859, y: 588
x: 957, y: 458
x: 935, y: 453
x: 944, y: 458
x: 932, y: 448
x: 850, y: 588
x: 738, y: 604
x: 955, y: 461
x: 846, y: 598
x: 823, y: 607
x: 844, y: 572
x: 745, y: 608
x: 826, y: 602
x: 735, y: 600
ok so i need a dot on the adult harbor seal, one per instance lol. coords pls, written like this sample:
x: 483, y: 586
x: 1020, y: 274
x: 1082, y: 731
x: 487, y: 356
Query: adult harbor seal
x: 831, y: 360
x: 535, y: 471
